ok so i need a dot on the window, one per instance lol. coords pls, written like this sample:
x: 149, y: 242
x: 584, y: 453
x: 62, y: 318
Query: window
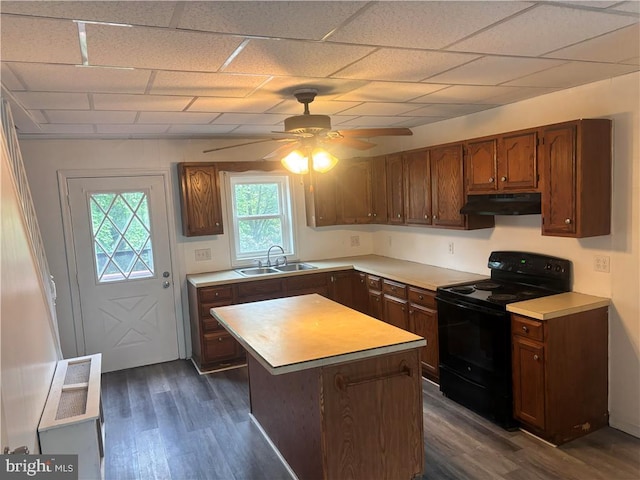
x: 260, y: 212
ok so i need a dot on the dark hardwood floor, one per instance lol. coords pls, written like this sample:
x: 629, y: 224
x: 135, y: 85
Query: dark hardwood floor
x: 167, y: 422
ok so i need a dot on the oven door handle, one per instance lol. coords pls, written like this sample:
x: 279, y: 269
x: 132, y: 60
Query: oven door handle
x: 473, y: 307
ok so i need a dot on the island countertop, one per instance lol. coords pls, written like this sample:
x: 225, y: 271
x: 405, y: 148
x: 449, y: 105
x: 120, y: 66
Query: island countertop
x: 298, y: 333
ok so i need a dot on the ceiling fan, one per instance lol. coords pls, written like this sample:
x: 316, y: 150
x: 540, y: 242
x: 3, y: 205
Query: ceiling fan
x: 307, y: 131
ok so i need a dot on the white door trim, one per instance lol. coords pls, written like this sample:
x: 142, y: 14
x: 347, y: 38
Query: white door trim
x: 176, y: 266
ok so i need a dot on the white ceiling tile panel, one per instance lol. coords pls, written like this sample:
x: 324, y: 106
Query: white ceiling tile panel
x: 242, y: 105
x: 249, y: 118
x: 310, y: 20
x: 160, y: 103
x: 70, y: 78
x: 201, y: 129
x: 146, y: 47
x: 176, y: 117
x: 590, y: 3
x: 632, y: 6
x: 136, y: 129
x: 541, y: 30
x: 53, y: 101
x: 380, y: 108
x: 442, y: 109
x: 618, y: 46
x: 328, y: 88
x: 494, y: 70
x: 423, y: 24
x: 138, y: 13
x: 9, y: 80
x: 59, y: 129
x: 337, y: 120
x: 206, y: 84
x: 253, y: 129
x: 411, y: 122
x: 403, y: 65
x: 572, y: 74
x: 299, y: 58
x: 372, y: 121
x: 79, y: 117
x: 390, y: 92
x: 27, y: 39
x: 516, y: 94
x: 291, y: 106
x: 463, y: 94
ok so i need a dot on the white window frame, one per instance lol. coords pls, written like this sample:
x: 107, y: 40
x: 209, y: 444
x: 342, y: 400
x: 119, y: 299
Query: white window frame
x: 287, y: 216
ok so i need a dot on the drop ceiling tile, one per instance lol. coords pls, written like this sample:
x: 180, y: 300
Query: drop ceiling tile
x: 240, y: 105
x: 135, y: 129
x: 541, y: 30
x: 298, y: 58
x: 372, y: 121
x: 328, y: 88
x: 430, y: 25
x: 147, y: 47
x: 390, y: 92
x: 201, y: 129
x: 493, y: 70
x: 9, y: 80
x: 80, y: 117
x: 58, y: 129
x: 591, y: 3
x: 249, y: 118
x: 139, y: 13
x: 205, y: 84
x: 616, y: 46
x: 448, y: 110
x: 572, y: 74
x: 176, y: 117
x: 29, y: 39
x: 158, y: 103
x: 320, y: 107
x: 463, y: 94
x: 633, y: 6
x: 516, y: 94
x: 255, y: 129
x: 310, y: 20
x: 381, y: 108
x: 53, y: 101
x: 403, y: 65
x: 70, y: 78
x: 418, y: 121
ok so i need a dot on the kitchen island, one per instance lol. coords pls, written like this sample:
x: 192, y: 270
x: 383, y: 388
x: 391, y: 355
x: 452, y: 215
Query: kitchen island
x: 337, y: 393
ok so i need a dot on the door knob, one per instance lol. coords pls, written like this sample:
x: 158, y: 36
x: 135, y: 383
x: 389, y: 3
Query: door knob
x: 166, y: 284
x: 165, y: 274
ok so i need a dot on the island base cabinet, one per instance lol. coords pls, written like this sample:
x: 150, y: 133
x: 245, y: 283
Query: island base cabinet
x: 358, y: 420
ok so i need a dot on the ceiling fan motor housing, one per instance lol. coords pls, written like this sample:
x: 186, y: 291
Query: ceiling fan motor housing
x: 307, y: 124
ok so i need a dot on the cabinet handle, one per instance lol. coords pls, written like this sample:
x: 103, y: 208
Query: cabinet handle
x: 426, y: 216
x: 525, y: 329
x: 536, y: 357
x: 375, y: 214
x: 377, y: 299
x: 368, y: 214
x: 421, y: 297
x: 217, y: 294
x: 504, y: 179
x: 410, y: 312
x: 217, y: 224
x: 491, y: 179
x: 567, y: 221
x: 399, y: 215
x: 435, y: 217
x: 219, y: 339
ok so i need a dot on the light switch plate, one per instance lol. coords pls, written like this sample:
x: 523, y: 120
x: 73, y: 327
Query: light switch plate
x: 203, y: 254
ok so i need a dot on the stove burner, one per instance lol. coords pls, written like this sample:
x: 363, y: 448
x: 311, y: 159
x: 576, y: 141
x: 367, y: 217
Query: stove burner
x: 487, y: 286
x: 463, y: 289
x: 502, y: 297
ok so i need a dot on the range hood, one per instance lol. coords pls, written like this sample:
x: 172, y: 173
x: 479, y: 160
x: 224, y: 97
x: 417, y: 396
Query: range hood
x: 502, y: 204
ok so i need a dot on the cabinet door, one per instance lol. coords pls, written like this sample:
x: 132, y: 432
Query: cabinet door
x: 417, y: 188
x: 447, y: 185
x: 395, y: 196
x: 320, y: 199
x: 307, y: 283
x: 528, y: 381
x: 342, y: 288
x: 396, y: 312
x: 200, y: 199
x: 375, y: 304
x: 354, y: 191
x: 559, y: 191
x: 379, y: 189
x: 424, y: 322
x: 518, y: 162
x: 481, y: 166
x: 360, y: 292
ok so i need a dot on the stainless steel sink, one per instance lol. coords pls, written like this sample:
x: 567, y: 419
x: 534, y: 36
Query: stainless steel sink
x: 295, y: 267
x: 253, y: 271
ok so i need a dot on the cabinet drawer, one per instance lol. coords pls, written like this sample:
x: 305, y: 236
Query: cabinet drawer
x: 425, y: 298
x: 527, y: 327
x: 395, y: 289
x: 218, y: 346
x: 261, y: 289
x: 215, y: 294
x: 211, y: 325
x: 374, y: 283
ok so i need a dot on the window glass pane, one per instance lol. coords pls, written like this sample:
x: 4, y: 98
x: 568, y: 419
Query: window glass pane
x: 121, y: 235
x: 254, y: 199
x: 259, y: 234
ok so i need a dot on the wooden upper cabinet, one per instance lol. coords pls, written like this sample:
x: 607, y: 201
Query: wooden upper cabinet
x: 518, y: 162
x: 447, y: 185
x: 417, y: 188
x: 320, y: 198
x: 481, y: 166
x: 200, y: 199
x: 395, y: 184
x: 354, y: 191
x: 576, y: 171
x: 379, y: 189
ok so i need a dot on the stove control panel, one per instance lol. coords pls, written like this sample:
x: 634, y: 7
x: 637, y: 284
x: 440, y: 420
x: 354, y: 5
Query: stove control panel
x: 534, y: 265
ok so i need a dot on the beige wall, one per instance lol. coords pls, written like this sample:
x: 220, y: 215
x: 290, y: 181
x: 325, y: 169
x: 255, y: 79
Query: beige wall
x: 617, y: 99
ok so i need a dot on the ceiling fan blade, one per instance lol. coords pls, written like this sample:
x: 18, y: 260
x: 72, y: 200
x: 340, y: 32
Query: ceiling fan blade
x: 375, y: 132
x: 351, y: 142
x: 242, y: 144
x: 283, y: 150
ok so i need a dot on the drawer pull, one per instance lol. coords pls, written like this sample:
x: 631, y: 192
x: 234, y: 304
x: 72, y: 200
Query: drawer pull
x: 219, y: 339
x: 536, y: 357
x: 525, y: 329
x: 421, y: 297
x: 342, y: 382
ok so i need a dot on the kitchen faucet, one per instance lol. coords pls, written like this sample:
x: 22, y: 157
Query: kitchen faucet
x: 269, y: 255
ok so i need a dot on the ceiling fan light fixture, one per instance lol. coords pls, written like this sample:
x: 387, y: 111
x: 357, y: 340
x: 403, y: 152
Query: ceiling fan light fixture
x: 296, y: 162
x: 322, y: 160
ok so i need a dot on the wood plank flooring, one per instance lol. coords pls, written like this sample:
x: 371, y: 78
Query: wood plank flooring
x: 166, y: 422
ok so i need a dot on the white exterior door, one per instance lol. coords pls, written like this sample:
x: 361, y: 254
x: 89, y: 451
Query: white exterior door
x: 123, y: 261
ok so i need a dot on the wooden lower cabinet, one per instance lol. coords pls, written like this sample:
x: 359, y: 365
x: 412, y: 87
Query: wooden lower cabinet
x: 423, y: 321
x: 560, y: 374
x: 395, y: 305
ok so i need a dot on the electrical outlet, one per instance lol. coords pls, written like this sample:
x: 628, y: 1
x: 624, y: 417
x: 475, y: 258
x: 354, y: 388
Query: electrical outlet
x: 355, y: 240
x: 601, y: 263
x: 203, y: 254
x: 451, y: 248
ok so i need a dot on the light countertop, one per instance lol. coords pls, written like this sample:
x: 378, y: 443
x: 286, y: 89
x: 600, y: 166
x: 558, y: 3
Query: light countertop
x: 411, y: 273
x: 297, y: 333
x: 554, y: 306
